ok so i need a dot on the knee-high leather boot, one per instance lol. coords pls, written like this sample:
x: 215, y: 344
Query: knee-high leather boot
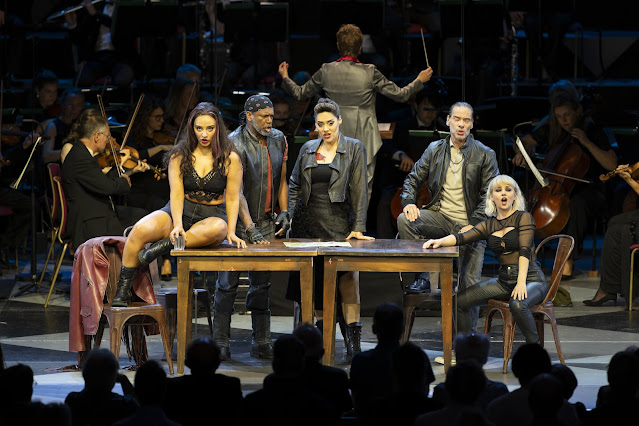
x: 123, y: 296
x: 156, y: 250
x: 354, y: 332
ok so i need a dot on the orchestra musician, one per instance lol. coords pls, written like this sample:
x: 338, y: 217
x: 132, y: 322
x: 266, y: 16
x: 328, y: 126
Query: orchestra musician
x: 58, y: 129
x: 354, y: 86
x: 457, y: 170
x: 45, y: 90
x: 568, y: 127
x: 205, y: 175
x: 621, y: 233
x: 182, y: 98
x: 88, y: 189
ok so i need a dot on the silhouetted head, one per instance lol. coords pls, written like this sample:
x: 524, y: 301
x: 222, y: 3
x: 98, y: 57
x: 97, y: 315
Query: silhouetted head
x: 16, y: 385
x: 464, y: 382
x: 568, y: 380
x: 623, y: 373
x: 349, y: 40
x: 100, y: 371
x: 529, y: 361
x: 288, y: 356
x: 150, y: 383
x: 202, y: 356
x: 312, y: 340
x: 412, y: 369
x: 472, y: 347
x: 388, y: 323
x: 545, y: 397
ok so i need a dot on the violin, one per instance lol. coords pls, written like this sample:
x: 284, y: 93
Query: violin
x: 163, y: 137
x: 633, y: 170
x: 110, y: 155
x: 11, y: 134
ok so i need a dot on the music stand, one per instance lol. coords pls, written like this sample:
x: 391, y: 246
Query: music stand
x: 418, y: 140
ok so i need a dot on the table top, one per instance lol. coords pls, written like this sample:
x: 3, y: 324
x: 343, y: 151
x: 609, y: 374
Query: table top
x: 275, y: 248
x: 388, y: 248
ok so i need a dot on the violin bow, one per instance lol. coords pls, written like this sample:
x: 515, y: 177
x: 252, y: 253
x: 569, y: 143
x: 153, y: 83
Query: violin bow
x: 135, y: 114
x: 542, y: 181
x: 177, y: 135
x: 103, y: 111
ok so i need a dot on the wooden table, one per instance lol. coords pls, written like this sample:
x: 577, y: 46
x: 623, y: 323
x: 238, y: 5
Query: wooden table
x: 388, y: 256
x: 272, y: 257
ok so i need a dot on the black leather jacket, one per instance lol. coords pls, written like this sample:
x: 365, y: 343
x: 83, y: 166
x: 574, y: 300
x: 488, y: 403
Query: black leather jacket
x: 348, y: 178
x: 255, y: 164
x: 480, y: 166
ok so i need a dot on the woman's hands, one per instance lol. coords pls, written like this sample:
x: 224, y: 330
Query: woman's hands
x: 433, y: 243
x: 358, y: 236
x: 178, y: 230
x: 232, y: 238
x: 519, y: 292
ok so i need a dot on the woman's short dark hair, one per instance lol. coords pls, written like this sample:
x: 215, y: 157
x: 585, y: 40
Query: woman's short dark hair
x: 44, y: 77
x: 326, y: 105
x: 349, y: 40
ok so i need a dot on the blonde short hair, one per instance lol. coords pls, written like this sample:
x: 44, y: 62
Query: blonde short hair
x: 518, y: 204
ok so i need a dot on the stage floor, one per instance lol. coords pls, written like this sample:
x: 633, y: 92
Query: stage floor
x: 32, y: 335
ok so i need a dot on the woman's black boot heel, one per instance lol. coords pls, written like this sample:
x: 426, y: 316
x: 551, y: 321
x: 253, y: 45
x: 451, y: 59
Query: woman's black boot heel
x: 156, y: 250
x: 123, y: 296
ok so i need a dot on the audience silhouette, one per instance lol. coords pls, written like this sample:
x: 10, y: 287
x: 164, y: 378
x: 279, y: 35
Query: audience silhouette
x: 372, y: 370
x: 473, y: 348
x: 203, y: 387
x: 150, y: 390
x: 96, y: 404
x: 328, y: 382
x: 284, y: 399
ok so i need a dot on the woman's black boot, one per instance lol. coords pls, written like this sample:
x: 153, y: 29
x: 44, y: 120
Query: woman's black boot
x: 156, y: 250
x: 354, y: 332
x: 123, y: 296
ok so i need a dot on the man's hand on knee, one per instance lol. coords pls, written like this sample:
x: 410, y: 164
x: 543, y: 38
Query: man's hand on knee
x: 411, y: 212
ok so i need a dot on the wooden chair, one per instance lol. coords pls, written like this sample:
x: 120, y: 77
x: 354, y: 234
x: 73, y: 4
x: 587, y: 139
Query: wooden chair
x: 64, y: 241
x: 633, y: 249
x: 543, y: 312
x: 54, y: 216
x: 118, y: 316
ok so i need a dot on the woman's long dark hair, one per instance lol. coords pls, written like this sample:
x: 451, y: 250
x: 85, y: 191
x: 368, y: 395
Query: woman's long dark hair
x: 138, y: 130
x: 221, y: 147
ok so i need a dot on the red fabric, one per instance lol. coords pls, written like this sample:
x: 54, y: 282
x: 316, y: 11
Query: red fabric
x: 348, y: 58
x: 88, y: 286
x: 634, y: 246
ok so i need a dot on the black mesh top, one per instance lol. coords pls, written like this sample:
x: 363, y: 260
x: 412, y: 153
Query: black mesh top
x: 517, y: 241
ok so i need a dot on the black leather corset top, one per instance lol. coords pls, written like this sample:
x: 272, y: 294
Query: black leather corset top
x: 205, y: 188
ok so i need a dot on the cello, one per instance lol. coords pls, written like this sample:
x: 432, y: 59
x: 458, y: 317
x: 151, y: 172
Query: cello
x: 566, y: 164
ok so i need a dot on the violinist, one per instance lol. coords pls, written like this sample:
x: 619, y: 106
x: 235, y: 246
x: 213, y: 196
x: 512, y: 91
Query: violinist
x: 621, y: 233
x: 57, y: 130
x: 568, y: 125
x: 88, y: 190
x: 205, y: 174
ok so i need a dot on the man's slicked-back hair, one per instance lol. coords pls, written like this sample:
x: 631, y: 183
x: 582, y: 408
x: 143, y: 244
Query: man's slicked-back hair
x: 349, y: 40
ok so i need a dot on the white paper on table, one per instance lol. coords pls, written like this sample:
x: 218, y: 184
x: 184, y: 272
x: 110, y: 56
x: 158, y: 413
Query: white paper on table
x: 383, y: 127
x: 318, y: 244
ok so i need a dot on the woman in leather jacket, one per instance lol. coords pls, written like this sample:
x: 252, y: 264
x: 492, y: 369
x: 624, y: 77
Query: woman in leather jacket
x: 328, y: 198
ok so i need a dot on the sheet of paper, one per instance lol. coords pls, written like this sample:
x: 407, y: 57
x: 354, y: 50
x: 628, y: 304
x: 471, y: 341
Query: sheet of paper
x: 318, y: 244
x: 383, y: 127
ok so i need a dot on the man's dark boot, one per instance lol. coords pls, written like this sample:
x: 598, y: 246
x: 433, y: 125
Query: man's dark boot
x: 420, y: 285
x: 156, y: 250
x: 123, y: 295
x: 354, y: 332
x: 261, y: 345
x: 222, y: 333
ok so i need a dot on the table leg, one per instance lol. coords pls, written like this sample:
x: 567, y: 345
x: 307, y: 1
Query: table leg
x: 330, y: 287
x: 446, y: 281
x: 307, y: 290
x: 184, y: 291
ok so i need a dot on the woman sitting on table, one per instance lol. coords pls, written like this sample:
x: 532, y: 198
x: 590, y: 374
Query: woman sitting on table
x: 205, y: 175
x: 328, y: 198
x: 510, y: 232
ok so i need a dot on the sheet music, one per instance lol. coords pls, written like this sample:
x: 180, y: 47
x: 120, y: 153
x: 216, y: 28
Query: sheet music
x: 543, y: 182
x: 384, y: 127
